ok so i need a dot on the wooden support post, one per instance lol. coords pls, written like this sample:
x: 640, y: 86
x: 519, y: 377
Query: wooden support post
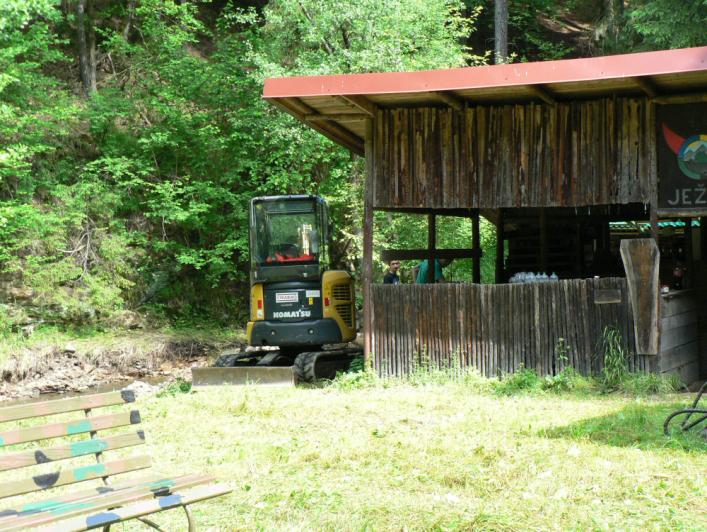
x: 579, y: 250
x: 543, y: 241
x: 431, y: 246
x: 653, y: 173
x: 476, y: 245
x: 689, y: 254
x: 368, y: 241
x: 500, y: 248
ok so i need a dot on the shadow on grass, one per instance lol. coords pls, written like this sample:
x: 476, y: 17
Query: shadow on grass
x: 638, y: 426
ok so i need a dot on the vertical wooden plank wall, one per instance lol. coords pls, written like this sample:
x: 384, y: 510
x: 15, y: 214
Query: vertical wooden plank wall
x: 496, y: 328
x: 532, y: 155
x: 679, y: 341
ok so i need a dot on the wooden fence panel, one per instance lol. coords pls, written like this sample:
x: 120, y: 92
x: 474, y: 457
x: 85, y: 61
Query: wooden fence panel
x: 499, y: 328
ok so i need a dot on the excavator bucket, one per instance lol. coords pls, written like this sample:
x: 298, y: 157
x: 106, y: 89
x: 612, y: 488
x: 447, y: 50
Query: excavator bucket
x: 242, y: 375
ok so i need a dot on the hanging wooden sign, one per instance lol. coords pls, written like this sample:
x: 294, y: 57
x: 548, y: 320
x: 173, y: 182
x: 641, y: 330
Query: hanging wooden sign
x: 682, y: 158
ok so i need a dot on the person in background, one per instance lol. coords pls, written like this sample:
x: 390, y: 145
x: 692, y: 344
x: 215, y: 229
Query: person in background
x: 421, y: 271
x: 391, y: 276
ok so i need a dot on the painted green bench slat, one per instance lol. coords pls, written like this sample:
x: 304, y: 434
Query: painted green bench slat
x: 72, y: 404
x: 49, y: 511
x: 138, y: 509
x: 9, y: 513
x: 68, y: 428
x: 71, y: 476
x: 70, y: 450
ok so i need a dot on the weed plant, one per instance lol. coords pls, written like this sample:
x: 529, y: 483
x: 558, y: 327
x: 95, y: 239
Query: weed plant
x: 178, y: 386
x: 522, y: 381
x: 615, y: 369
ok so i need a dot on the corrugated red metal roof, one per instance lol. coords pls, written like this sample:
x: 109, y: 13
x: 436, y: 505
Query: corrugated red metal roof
x: 655, y: 74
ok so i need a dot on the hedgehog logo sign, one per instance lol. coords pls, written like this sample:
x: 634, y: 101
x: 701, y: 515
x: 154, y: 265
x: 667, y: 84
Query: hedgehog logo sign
x: 682, y: 158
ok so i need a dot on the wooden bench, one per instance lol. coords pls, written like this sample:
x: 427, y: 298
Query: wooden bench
x: 102, y: 505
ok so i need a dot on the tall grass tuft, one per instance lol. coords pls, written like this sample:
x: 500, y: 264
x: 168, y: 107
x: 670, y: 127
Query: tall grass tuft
x: 615, y: 368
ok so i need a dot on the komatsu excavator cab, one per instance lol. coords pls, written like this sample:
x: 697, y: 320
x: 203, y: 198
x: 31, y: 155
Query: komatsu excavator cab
x: 296, y: 300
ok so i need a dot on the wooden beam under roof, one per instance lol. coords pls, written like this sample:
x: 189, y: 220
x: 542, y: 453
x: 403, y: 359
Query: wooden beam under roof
x: 421, y: 254
x: 331, y: 130
x: 646, y: 85
x: 542, y: 92
x: 451, y: 99
x: 692, y: 97
x: 336, y: 117
x: 362, y: 103
x: 465, y: 213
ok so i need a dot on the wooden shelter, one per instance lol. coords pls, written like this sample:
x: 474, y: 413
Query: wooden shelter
x: 552, y: 153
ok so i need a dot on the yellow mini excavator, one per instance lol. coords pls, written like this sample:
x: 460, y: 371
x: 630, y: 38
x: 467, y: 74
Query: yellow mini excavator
x: 302, y: 313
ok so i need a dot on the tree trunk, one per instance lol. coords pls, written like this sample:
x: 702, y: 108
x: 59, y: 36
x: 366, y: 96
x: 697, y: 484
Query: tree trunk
x: 501, y: 31
x: 87, y: 45
x: 614, y: 10
x: 129, y: 20
x: 91, y: 12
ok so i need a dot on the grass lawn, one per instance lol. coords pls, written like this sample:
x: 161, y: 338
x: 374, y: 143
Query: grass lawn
x: 437, y: 457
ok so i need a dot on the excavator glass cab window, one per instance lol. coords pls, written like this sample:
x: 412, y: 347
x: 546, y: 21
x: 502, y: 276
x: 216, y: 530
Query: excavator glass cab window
x: 286, y: 232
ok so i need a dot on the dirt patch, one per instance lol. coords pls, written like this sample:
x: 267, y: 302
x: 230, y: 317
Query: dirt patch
x: 55, y: 369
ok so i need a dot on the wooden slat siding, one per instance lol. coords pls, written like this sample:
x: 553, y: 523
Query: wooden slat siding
x: 68, y: 428
x: 138, y: 509
x: 48, y: 511
x: 72, y: 404
x: 498, y: 327
x: 71, y: 476
x: 533, y: 155
x: 679, y: 341
x: 69, y: 450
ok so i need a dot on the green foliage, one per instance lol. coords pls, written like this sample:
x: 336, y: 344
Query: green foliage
x: 138, y: 195
x: 360, y: 376
x: 176, y: 387
x: 659, y: 24
x: 615, y: 376
x: 523, y: 379
x: 409, y: 231
x: 528, y: 36
x: 335, y: 36
x: 567, y: 380
x: 641, y: 384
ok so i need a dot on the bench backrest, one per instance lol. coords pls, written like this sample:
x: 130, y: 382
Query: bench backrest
x: 86, y: 424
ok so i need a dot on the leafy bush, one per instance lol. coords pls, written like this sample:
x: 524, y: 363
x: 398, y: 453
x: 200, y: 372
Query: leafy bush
x: 566, y: 380
x: 359, y: 376
x: 523, y: 379
x: 5, y: 322
x: 175, y: 387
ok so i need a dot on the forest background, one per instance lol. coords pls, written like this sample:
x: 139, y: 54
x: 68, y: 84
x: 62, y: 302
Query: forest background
x: 133, y: 135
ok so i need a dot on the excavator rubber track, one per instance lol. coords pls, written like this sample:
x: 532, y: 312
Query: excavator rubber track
x: 275, y: 367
